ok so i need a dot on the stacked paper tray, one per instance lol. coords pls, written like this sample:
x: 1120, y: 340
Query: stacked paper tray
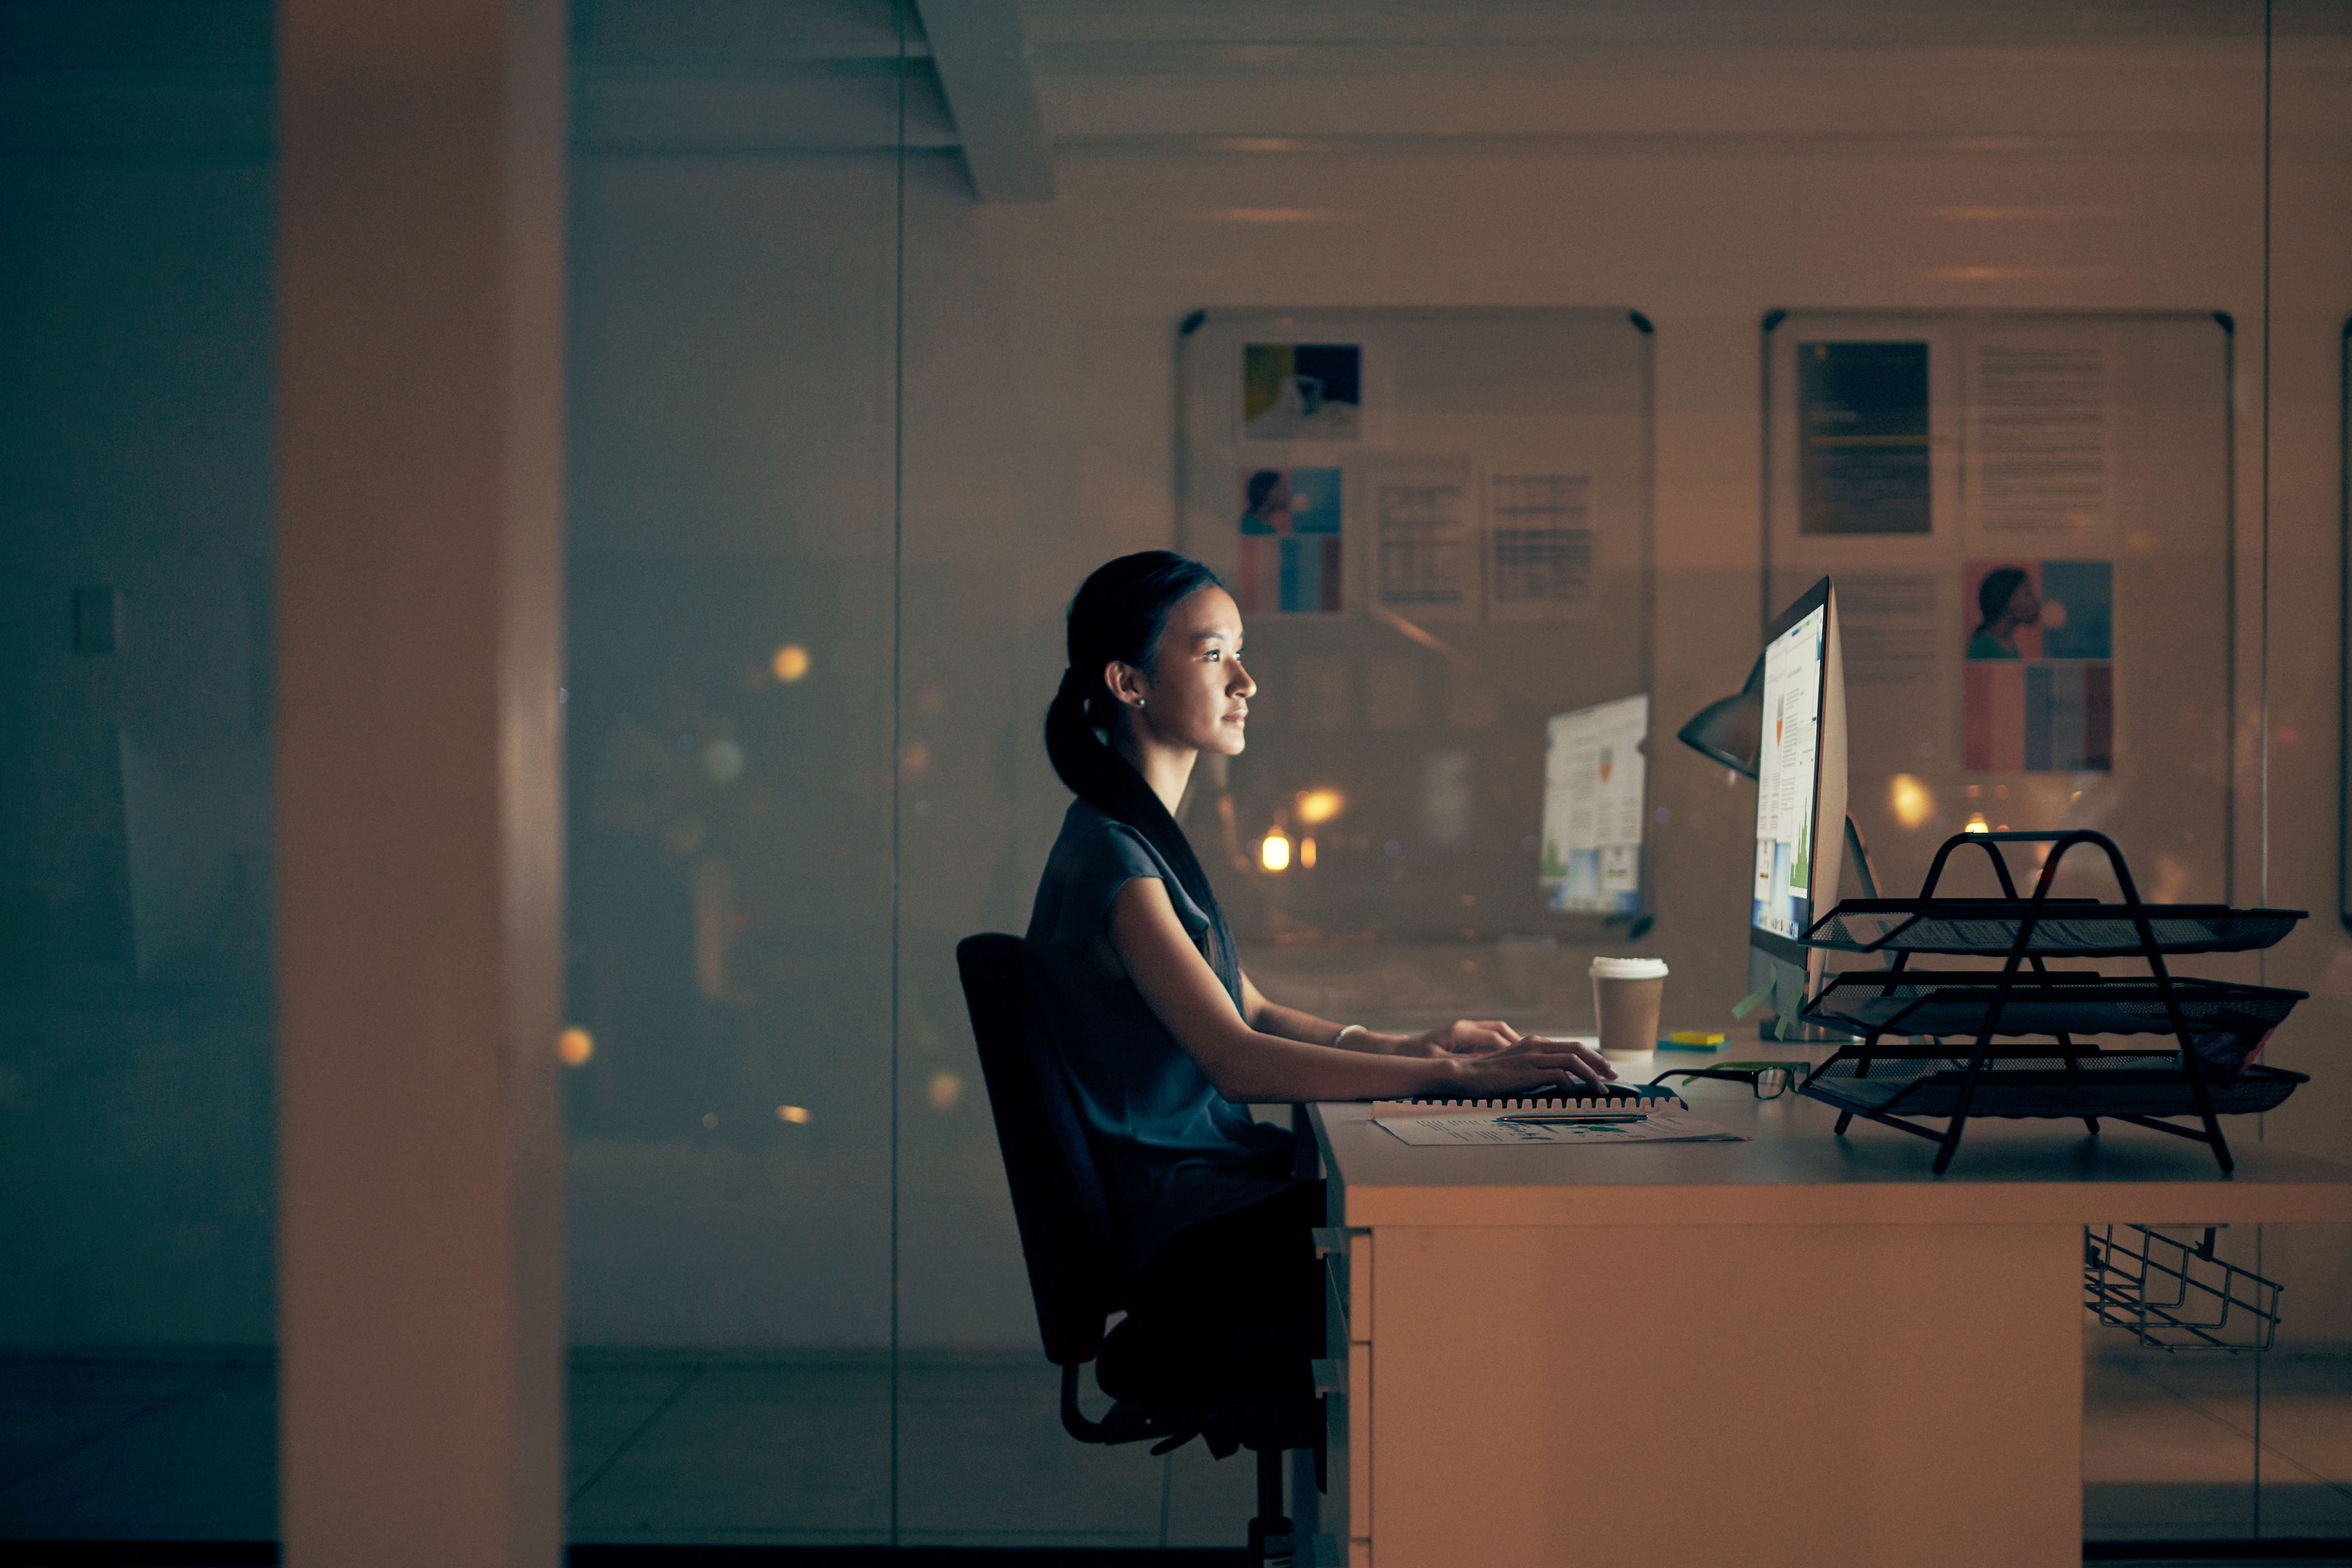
x: 1917, y: 1002
x: 2073, y: 928
x: 2116, y: 1084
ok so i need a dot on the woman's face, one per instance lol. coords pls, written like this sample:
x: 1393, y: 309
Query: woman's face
x: 2024, y: 605
x: 1196, y: 694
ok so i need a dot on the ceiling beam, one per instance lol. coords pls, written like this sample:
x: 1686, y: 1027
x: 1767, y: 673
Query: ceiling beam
x: 984, y: 67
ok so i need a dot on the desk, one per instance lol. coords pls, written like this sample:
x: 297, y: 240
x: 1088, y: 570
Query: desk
x: 1798, y: 1349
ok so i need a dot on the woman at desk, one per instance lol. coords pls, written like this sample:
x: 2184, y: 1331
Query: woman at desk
x: 1169, y: 1037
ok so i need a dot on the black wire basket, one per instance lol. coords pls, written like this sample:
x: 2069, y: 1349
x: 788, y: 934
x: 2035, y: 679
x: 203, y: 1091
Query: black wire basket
x: 2173, y: 1294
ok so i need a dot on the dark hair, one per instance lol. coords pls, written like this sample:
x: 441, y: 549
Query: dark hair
x: 1118, y: 613
x: 1994, y: 593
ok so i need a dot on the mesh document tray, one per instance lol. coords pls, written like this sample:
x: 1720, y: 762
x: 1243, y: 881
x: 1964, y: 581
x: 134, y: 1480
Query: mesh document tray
x: 2117, y: 1084
x: 2066, y: 1002
x: 2075, y: 928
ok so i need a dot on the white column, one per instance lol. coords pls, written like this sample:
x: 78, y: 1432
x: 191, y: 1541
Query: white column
x: 420, y: 283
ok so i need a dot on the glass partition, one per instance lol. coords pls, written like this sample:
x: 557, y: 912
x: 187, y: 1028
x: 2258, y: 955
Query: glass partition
x: 730, y: 765
x: 136, y: 1013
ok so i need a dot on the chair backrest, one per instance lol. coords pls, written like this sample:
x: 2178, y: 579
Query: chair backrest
x: 1057, y: 1195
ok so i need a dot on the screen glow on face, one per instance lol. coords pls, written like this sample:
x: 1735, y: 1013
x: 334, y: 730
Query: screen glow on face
x: 1782, y: 903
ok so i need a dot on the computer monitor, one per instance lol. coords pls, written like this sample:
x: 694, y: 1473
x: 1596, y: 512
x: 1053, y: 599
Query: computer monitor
x: 1595, y: 802
x: 1799, y: 793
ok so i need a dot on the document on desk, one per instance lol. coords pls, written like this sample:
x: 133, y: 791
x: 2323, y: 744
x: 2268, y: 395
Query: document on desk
x: 1658, y: 1127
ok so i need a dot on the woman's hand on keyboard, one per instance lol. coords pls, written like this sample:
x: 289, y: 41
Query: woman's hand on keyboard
x: 1530, y: 1061
x: 1463, y: 1037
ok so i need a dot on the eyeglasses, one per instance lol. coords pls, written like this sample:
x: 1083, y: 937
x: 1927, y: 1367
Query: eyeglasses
x: 1767, y: 1080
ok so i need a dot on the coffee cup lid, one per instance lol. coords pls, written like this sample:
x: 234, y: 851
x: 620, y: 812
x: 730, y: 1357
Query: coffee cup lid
x: 1628, y: 968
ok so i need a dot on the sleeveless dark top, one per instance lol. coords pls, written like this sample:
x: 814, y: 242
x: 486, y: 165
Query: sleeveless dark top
x: 1172, y: 1150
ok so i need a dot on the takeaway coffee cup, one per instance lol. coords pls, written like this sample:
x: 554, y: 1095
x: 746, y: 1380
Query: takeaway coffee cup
x: 1628, y: 994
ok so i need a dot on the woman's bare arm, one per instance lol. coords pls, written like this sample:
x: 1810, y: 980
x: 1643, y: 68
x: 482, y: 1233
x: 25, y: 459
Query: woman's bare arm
x: 1463, y: 1037
x: 1259, y: 1063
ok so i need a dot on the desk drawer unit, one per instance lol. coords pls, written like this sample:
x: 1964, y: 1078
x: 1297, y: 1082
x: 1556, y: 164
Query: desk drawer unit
x: 1348, y: 1260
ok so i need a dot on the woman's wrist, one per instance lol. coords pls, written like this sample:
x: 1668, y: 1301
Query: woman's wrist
x: 1340, y: 1040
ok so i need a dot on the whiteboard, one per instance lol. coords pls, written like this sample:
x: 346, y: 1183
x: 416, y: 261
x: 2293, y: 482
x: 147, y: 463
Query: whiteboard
x: 1437, y: 523
x: 2074, y: 465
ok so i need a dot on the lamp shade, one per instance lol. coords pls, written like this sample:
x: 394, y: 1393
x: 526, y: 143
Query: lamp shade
x: 1732, y: 731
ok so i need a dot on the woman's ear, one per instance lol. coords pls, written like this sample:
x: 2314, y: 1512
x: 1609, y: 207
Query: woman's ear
x: 1127, y: 683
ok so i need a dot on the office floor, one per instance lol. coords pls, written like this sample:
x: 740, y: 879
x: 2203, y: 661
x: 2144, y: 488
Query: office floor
x: 685, y: 1448
x: 676, y: 1448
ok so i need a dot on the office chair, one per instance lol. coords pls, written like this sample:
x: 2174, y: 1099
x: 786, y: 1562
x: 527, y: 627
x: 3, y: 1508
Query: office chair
x: 1058, y: 1203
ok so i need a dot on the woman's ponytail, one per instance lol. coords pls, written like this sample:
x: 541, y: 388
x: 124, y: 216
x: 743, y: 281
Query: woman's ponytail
x: 1118, y: 616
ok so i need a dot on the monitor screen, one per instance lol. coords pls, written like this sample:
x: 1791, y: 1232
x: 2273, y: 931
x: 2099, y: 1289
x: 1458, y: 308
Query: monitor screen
x: 1594, y: 781
x: 1787, y: 782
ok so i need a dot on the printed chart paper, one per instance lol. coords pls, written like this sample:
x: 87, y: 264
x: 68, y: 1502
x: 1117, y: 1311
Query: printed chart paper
x: 1594, y: 775
x: 2038, y: 423
x: 1425, y: 538
x: 1539, y: 548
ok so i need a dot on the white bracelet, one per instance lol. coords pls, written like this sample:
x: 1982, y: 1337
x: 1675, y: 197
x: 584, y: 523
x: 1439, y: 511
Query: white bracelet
x: 1345, y: 1030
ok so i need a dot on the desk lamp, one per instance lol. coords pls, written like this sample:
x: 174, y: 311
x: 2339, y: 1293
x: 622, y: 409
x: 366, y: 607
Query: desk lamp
x: 1732, y: 731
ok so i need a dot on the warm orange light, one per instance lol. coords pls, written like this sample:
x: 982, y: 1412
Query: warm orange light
x: 944, y: 1089
x: 1976, y: 824
x: 1910, y: 799
x: 574, y: 1046
x: 791, y: 662
x: 1320, y: 805
x: 796, y: 1114
x: 1273, y: 853
x: 1306, y: 852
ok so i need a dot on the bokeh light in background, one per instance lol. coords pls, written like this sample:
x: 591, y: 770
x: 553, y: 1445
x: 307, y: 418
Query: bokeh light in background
x: 796, y: 1114
x: 1274, y: 853
x: 944, y: 1089
x: 1306, y: 852
x: 722, y: 761
x: 1316, y: 807
x: 574, y: 1046
x: 1909, y: 799
x: 790, y: 663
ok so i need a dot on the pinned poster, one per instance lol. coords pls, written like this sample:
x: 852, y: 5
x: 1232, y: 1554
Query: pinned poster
x: 1289, y: 555
x: 1863, y: 462
x: 2039, y: 693
x: 2039, y: 431
x: 1302, y: 392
